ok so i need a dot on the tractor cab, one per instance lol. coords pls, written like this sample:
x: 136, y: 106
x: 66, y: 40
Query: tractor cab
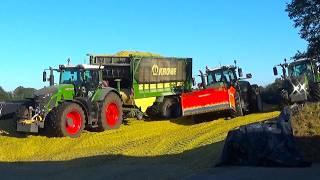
x: 85, y: 78
x: 303, y: 67
x: 225, y: 75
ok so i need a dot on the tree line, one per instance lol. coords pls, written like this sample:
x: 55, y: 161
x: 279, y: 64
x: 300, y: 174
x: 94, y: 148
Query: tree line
x: 19, y: 93
x: 306, y: 17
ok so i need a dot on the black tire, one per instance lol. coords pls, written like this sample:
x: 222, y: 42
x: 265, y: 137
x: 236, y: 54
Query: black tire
x: 69, y: 120
x: 239, y: 109
x: 315, y: 92
x: 111, y: 114
x: 167, y: 108
x: 153, y: 111
x: 177, y: 111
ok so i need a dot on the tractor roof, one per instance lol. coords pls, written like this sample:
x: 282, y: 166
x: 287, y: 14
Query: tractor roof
x: 81, y: 66
x: 222, y: 67
x: 302, y: 60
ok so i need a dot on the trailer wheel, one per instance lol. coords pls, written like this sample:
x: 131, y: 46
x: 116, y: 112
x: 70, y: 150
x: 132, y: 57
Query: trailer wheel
x: 111, y: 113
x: 167, y: 108
x: 70, y: 120
x: 153, y: 111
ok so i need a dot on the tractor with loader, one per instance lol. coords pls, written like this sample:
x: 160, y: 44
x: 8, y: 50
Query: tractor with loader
x: 301, y: 81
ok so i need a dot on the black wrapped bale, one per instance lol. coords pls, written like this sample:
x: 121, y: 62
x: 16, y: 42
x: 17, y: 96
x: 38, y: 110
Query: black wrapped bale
x: 263, y: 144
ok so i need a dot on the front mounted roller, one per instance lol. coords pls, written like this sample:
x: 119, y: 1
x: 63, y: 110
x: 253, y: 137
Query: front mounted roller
x: 111, y: 115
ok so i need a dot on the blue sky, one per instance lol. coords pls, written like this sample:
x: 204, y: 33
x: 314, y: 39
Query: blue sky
x: 35, y: 34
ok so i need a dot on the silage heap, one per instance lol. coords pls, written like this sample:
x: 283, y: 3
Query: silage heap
x: 306, y: 130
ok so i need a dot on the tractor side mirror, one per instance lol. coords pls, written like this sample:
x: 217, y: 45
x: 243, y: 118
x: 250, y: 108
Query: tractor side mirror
x: 51, y: 80
x: 275, y: 71
x: 249, y: 76
x: 44, y: 76
x: 240, y: 73
x: 284, y: 72
x: 203, y: 79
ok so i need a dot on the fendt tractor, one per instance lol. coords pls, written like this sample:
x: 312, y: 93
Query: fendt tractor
x: 80, y: 100
x: 301, y: 81
x: 221, y: 91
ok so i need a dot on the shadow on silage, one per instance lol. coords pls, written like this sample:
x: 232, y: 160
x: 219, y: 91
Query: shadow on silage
x: 176, y: 166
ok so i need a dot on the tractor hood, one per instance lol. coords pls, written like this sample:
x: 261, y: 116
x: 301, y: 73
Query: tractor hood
x: 47, y: 97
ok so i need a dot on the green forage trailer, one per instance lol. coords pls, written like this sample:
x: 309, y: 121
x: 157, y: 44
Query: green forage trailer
x: 145, y: 81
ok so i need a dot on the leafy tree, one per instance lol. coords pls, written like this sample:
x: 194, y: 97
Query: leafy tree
x: 21, y: 93
x: 306, y: 16
x: 4, y: 96
x: 271, y: 93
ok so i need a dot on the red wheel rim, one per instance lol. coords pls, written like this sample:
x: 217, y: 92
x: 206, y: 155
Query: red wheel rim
x: 73, y: 123
x: 112, y: 114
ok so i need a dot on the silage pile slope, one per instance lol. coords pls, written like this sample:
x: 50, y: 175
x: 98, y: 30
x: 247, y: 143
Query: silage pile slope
x: 306, y: 129
x: 137, y: 139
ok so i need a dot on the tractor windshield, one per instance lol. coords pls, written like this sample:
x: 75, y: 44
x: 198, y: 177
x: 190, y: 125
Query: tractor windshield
x: 70, y: 76
x: 299, y: 69
x: 221, y: 76
x: 80, y: 77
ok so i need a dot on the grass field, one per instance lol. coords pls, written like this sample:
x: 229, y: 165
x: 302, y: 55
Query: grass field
x: 180, y: 145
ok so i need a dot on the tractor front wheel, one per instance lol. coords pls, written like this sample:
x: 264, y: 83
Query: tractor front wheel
x: 70, y: 120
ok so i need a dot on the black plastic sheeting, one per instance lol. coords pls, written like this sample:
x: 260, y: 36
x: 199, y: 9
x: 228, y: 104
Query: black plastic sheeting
x: 269, y: 144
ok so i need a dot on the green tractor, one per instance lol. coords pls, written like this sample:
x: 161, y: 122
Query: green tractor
x: 80, y: 100
x: 301, y: 81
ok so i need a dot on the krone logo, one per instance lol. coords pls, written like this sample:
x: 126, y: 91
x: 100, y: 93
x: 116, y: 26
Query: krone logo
x: 156, y: 71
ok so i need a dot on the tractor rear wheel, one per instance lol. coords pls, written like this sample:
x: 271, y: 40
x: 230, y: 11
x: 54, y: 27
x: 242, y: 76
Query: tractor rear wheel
x: 70, y: 120
x: 111, y: 115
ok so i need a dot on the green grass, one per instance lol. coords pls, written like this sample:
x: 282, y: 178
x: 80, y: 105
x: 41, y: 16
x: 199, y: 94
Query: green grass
x: 137, y: 139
